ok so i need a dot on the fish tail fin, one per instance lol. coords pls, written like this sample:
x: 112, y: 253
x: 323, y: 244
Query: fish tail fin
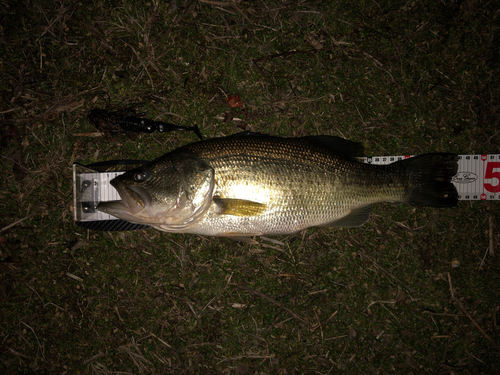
x: 430, y: 179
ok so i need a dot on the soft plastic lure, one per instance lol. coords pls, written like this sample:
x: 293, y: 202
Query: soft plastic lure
x: 128, y: 120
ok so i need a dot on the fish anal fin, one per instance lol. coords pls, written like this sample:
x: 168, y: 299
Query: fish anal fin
x: 239, y: 207
x: 245, y: 238
x: 355, y: 218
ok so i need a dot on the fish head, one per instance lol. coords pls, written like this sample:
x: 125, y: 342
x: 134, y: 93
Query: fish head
x: 169, y: 193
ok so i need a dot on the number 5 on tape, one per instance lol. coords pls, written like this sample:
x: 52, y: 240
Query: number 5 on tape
x: 492, y: 172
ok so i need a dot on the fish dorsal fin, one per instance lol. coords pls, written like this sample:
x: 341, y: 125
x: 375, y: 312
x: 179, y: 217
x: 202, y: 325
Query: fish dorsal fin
x: 248, y: 133
x: 355, y: 218
x: 339, y: 146
x: 239, y: 207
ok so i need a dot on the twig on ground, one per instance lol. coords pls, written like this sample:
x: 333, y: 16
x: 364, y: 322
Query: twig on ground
x: 136, y: 356
x: 482, y: 260
x: 250, y: 356
x: 93, y: 358
x: 384, y: 270
x: 40, y: 347
x: 217, y: 3
x: 468, y: 315
x: 18, y: 222
x: 88, y: 134
x: 260, y: 294
x: 491, y: 247
x: 341, y: 45
x: 156, y: 337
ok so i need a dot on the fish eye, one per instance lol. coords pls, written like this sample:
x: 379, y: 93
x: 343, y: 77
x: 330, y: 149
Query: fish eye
x: 139, y: 176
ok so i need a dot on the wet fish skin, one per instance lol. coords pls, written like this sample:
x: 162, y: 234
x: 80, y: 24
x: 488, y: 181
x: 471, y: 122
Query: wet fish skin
x: 251, y: 184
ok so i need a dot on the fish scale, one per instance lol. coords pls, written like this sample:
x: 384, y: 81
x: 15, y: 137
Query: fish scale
x: 297, y: 195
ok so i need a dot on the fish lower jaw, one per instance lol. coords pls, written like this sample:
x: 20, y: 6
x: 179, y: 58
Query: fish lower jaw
x: 173, y: 228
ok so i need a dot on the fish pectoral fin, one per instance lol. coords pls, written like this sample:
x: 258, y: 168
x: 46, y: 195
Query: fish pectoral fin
x: 239, y: 207
x: 355, y: 218
x: 241, y: 237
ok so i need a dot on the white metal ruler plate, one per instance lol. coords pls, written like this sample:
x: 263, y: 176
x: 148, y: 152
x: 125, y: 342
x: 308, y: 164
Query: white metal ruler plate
x: 89, y: 188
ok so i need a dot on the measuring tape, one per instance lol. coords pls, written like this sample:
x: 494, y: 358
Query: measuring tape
x: 478, y: 176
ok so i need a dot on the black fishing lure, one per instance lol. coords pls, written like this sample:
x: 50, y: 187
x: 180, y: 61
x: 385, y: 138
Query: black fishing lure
x: 129, y: 120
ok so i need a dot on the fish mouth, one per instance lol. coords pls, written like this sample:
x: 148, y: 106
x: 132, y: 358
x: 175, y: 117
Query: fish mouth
x: 134, y: 200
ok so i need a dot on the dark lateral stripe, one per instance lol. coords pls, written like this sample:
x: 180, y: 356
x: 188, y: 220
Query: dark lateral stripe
x: 110, y: 225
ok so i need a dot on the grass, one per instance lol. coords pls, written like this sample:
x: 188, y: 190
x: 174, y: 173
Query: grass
x: 400, y: 77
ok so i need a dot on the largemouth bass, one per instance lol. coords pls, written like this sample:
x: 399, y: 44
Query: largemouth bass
x: 250, y: 184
